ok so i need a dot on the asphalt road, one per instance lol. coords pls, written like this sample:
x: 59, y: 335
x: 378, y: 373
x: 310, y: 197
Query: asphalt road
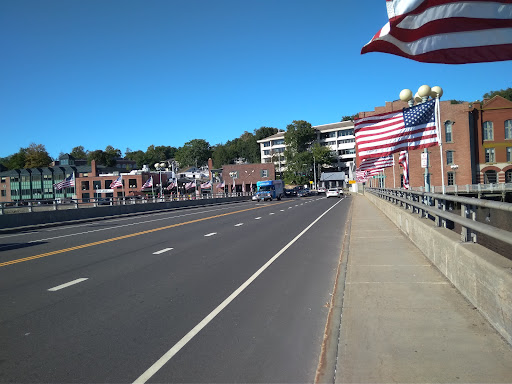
x: 232, y: 293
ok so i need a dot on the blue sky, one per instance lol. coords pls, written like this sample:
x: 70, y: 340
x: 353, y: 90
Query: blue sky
x: 134, y: 73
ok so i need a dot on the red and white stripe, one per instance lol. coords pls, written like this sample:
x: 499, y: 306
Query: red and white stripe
x: 376, y: 163
x: 403, y: 160
x: 446, y: 31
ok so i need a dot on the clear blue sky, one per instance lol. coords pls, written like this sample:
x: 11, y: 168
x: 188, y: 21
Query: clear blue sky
x: 134, y: 73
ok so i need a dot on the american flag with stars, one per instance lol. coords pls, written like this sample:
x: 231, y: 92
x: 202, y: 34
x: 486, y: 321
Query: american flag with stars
x: 384, y: 134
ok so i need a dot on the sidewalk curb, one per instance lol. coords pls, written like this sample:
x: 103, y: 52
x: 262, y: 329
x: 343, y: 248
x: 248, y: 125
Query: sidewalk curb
x: 326, y: 369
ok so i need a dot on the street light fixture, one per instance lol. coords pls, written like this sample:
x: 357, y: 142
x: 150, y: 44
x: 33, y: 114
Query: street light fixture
x: 424, y: 92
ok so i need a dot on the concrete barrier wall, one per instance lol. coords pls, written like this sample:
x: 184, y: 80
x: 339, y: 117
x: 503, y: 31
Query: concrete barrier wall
x: 482, y: 276
x: 90, y: 213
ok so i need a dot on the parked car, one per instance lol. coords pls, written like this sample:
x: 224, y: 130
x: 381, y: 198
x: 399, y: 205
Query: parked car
x: 321, y: 190
x: 333, y: 192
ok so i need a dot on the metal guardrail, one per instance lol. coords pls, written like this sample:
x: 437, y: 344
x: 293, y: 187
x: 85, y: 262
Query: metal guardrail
x: 479, y: 189
x: 69, y: 203
x: 434, y: 206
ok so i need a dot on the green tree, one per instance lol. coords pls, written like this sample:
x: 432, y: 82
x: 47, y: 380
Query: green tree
x: 98, y: 155
x: 194, y: 152
x: 299, y: 135
x: 37, y: 156
x: 137, y: 156
x: 506, y: 93
x: 79, y: 152
x: 17, y: 160
x: 264, y: 132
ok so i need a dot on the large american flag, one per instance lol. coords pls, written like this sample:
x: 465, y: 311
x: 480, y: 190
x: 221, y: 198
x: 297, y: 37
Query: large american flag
x: 117, y: 182
x: 67, y: 182
x: 446, y: 31
x: 387, y: 133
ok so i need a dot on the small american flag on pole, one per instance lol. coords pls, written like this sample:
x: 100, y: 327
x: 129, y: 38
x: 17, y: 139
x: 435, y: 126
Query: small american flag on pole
x: 403, y: 160
x: 67, y: 182
x: 170, y: 186
x: 220, y: 185
x: 148, y: 183
x: 384, y: 134
x: 117, y: 182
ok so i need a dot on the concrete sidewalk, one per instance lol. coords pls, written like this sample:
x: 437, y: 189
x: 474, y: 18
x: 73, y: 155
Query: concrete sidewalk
x: 402, y: 320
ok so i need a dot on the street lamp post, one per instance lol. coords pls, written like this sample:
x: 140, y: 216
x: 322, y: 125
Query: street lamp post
x: 424, y: 92
x: 159, y: 167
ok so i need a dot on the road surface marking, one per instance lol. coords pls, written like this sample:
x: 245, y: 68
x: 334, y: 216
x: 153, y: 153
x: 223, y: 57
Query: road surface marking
x: 68, y: 284
x: 257, y: 218
x: 162, y: 251
x: 290, y: 207
x: 125, y: 225
x: 210, y: 234
x: 194, y: 331
x: 123, y: 237
x: 271, y: 213
x: 282, y: 210
x: 239, y: 224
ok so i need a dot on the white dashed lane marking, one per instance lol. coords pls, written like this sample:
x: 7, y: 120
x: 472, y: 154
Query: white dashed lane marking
x: 239, y: 224
x: 210, y: 234
x: 65, y: 285
x: 162, y: 251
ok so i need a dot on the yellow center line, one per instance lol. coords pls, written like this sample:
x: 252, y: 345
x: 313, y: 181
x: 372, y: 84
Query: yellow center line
x: 122, y: 237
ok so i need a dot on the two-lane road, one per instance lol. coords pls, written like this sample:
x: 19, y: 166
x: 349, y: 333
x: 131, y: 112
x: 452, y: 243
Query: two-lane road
x: 231, y: 293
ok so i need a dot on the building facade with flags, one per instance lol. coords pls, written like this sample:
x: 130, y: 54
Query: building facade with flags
x: 459, y: 146
x: 90, y: 181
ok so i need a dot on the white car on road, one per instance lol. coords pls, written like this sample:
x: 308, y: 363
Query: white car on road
x: 333, y: 192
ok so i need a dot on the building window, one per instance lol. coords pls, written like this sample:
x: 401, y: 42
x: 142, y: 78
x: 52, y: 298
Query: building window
x: 346, y: 132
x: 264, y: 173
x: 449, y: 157
x: 489, y: 155
x: 451, y: 178
x: 508, y: 176
x: 509, y: 154
x: 278, y: 142
x: 266, y: 152
x: 488, y: 130
x: 107, y: 184
x: 508, y: 129
x: 4, y: 192
x: 490, y: 177
x: 266, y: 144
x: 448, y: 131
x: 85, y: 185
x: 132, y: 183
x: 96, y: 184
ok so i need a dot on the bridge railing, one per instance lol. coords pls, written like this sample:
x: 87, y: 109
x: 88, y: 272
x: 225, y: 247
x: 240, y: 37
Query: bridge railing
x: 71, y: 203
x: 435, y: 206
x: 471, y: 188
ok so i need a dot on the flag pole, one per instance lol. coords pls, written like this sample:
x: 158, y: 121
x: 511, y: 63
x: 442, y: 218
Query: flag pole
x: 394, y: 182
x: 440, y: 140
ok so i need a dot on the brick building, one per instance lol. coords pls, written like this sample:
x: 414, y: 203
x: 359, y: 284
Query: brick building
x: 460, y: 166
x: 246, y: 175
x: 492, y: 121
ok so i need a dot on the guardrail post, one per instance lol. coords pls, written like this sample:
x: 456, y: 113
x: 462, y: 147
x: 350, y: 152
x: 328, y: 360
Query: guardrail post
x: 466, y: 232
x: 54, y: 205
x: 76, y: 203
x: 1, y: 208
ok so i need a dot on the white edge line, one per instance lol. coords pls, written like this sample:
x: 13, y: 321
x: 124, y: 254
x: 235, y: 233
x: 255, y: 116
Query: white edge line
x: 162, y: 251
x: 194, y: 331
x: 67, y: 284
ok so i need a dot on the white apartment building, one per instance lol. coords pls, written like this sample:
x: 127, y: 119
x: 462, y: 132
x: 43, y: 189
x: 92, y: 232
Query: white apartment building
x: 338, y: 137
